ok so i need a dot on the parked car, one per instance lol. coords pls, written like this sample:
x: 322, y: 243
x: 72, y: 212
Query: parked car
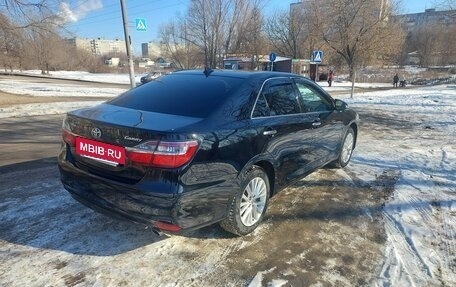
x: 195, y: 148
x: 150, y: 76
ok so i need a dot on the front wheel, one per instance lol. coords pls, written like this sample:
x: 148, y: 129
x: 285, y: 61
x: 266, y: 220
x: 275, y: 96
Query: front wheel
x: 347, y: 149
x: 249, y: 204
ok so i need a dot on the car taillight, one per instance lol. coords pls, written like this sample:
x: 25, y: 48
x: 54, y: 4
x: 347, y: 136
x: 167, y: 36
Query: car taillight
x: 166, y: 154
x: 67, y: 135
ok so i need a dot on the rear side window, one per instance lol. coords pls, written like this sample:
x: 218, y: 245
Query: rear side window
x: 180, y: 94
x: 261, y: 107
x: 279, y: 96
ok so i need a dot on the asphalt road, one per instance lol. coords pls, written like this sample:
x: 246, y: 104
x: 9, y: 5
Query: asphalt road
x: 29, y: 142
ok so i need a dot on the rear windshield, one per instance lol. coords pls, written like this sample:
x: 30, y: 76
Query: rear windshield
x: 180, y: 94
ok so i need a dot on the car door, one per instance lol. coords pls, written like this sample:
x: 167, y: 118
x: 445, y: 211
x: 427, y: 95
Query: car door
x: 327, y: 126
x: 284, y: 131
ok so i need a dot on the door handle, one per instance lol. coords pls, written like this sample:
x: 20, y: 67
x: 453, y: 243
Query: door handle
x: 269, y: 132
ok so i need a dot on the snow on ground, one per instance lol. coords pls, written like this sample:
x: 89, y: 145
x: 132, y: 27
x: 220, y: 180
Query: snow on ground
x: 346, y: 86
x: 43, y: 108
x: 420, y: 219
x: 38, y: 88
x: 34, y: 87
x: 416, y: 145
x: 85, y: 76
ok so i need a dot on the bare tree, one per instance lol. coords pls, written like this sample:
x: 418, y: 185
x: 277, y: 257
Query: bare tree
x: 448, y: 41
x: 286, y: 31
x: 45, y: 48
x: 358, y: 30
x: 244, y: 26
x: 245, y: 35
x: 30, y: 14
x: 206, y: 20
x: 446, y: 4
x: 213, y: 29
x: 183, y: 54
x: 253, y: 37
x: 10, y: 44
x: 424, y: 40
x: 434, y: 44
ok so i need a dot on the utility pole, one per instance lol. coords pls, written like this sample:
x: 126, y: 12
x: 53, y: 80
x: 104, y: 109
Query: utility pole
x: 128, y: 44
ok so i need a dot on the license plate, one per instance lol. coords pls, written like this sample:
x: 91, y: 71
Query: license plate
x: 104, y: 152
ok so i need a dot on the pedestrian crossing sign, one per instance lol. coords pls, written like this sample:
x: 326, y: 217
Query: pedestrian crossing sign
x: 317, y: 56
x: 140, y: 24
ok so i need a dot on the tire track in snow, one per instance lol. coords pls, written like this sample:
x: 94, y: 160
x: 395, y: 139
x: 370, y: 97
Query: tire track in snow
x: 446, y: 211
x: 403, y: 266
x: 402, y: 242
x: 416, y: 221
x: 447, y: 217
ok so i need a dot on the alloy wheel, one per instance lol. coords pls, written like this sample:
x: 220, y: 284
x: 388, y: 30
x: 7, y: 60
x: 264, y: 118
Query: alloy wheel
x: 347, y: 148
x: 253, y: 201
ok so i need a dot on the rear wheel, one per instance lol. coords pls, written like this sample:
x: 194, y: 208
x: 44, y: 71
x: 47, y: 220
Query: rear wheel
x: 249, y: 204
x: 347, y: 149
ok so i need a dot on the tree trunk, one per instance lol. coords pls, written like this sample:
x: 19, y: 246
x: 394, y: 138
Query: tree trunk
x: 352, y: 78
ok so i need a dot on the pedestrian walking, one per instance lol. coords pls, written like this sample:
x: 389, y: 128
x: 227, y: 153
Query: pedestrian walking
x: 395, y: 80
x: 330, y: 77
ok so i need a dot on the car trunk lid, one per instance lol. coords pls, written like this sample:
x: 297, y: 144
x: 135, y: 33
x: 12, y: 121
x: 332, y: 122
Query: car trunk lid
x: 121, y: 144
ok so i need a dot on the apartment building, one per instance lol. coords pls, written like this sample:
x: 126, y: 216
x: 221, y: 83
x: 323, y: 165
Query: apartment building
x: 99, y: 46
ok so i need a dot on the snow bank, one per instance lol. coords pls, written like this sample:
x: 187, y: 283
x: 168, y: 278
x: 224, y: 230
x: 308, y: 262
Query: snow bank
x: 34, y: 87
x: 44, y: 108
x: 84, y: 76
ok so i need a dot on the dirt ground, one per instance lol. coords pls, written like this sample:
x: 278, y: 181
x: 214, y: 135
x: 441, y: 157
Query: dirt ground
x: 325, y: 230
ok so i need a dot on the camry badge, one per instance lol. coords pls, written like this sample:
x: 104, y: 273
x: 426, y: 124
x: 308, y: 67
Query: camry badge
x: 96, y: 133
x: 132, y: 139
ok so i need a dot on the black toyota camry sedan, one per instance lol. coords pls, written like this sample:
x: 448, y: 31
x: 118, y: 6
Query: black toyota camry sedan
x: 195, y: 148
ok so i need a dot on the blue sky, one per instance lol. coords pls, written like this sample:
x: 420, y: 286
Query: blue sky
x: 102, y: 18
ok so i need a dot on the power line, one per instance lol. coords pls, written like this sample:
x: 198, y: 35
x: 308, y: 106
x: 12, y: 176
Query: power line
x: 131, y: 8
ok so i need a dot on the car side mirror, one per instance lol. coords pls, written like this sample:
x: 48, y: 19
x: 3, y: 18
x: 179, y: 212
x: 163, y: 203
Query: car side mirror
x: 341, y: 105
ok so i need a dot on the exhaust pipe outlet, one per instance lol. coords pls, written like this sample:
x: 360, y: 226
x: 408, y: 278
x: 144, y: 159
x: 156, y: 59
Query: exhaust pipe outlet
x: 157, y: 232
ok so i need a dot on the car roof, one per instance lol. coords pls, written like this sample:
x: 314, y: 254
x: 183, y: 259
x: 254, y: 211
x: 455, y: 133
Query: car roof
x: 237, y: 73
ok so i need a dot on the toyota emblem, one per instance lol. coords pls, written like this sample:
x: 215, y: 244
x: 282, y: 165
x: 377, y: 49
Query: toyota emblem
x: 96, y: 133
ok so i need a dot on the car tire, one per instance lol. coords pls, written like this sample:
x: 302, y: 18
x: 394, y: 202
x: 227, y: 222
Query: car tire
x: 346, y: 149
x: 249, y: 205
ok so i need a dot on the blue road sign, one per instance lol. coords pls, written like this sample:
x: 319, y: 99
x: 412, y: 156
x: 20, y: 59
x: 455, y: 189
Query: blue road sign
x: 272, y: 57
x: 140, y: 24
x: 317, y: 56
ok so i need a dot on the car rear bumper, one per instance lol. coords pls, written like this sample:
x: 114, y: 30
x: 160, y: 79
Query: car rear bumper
x: 190, y: 207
